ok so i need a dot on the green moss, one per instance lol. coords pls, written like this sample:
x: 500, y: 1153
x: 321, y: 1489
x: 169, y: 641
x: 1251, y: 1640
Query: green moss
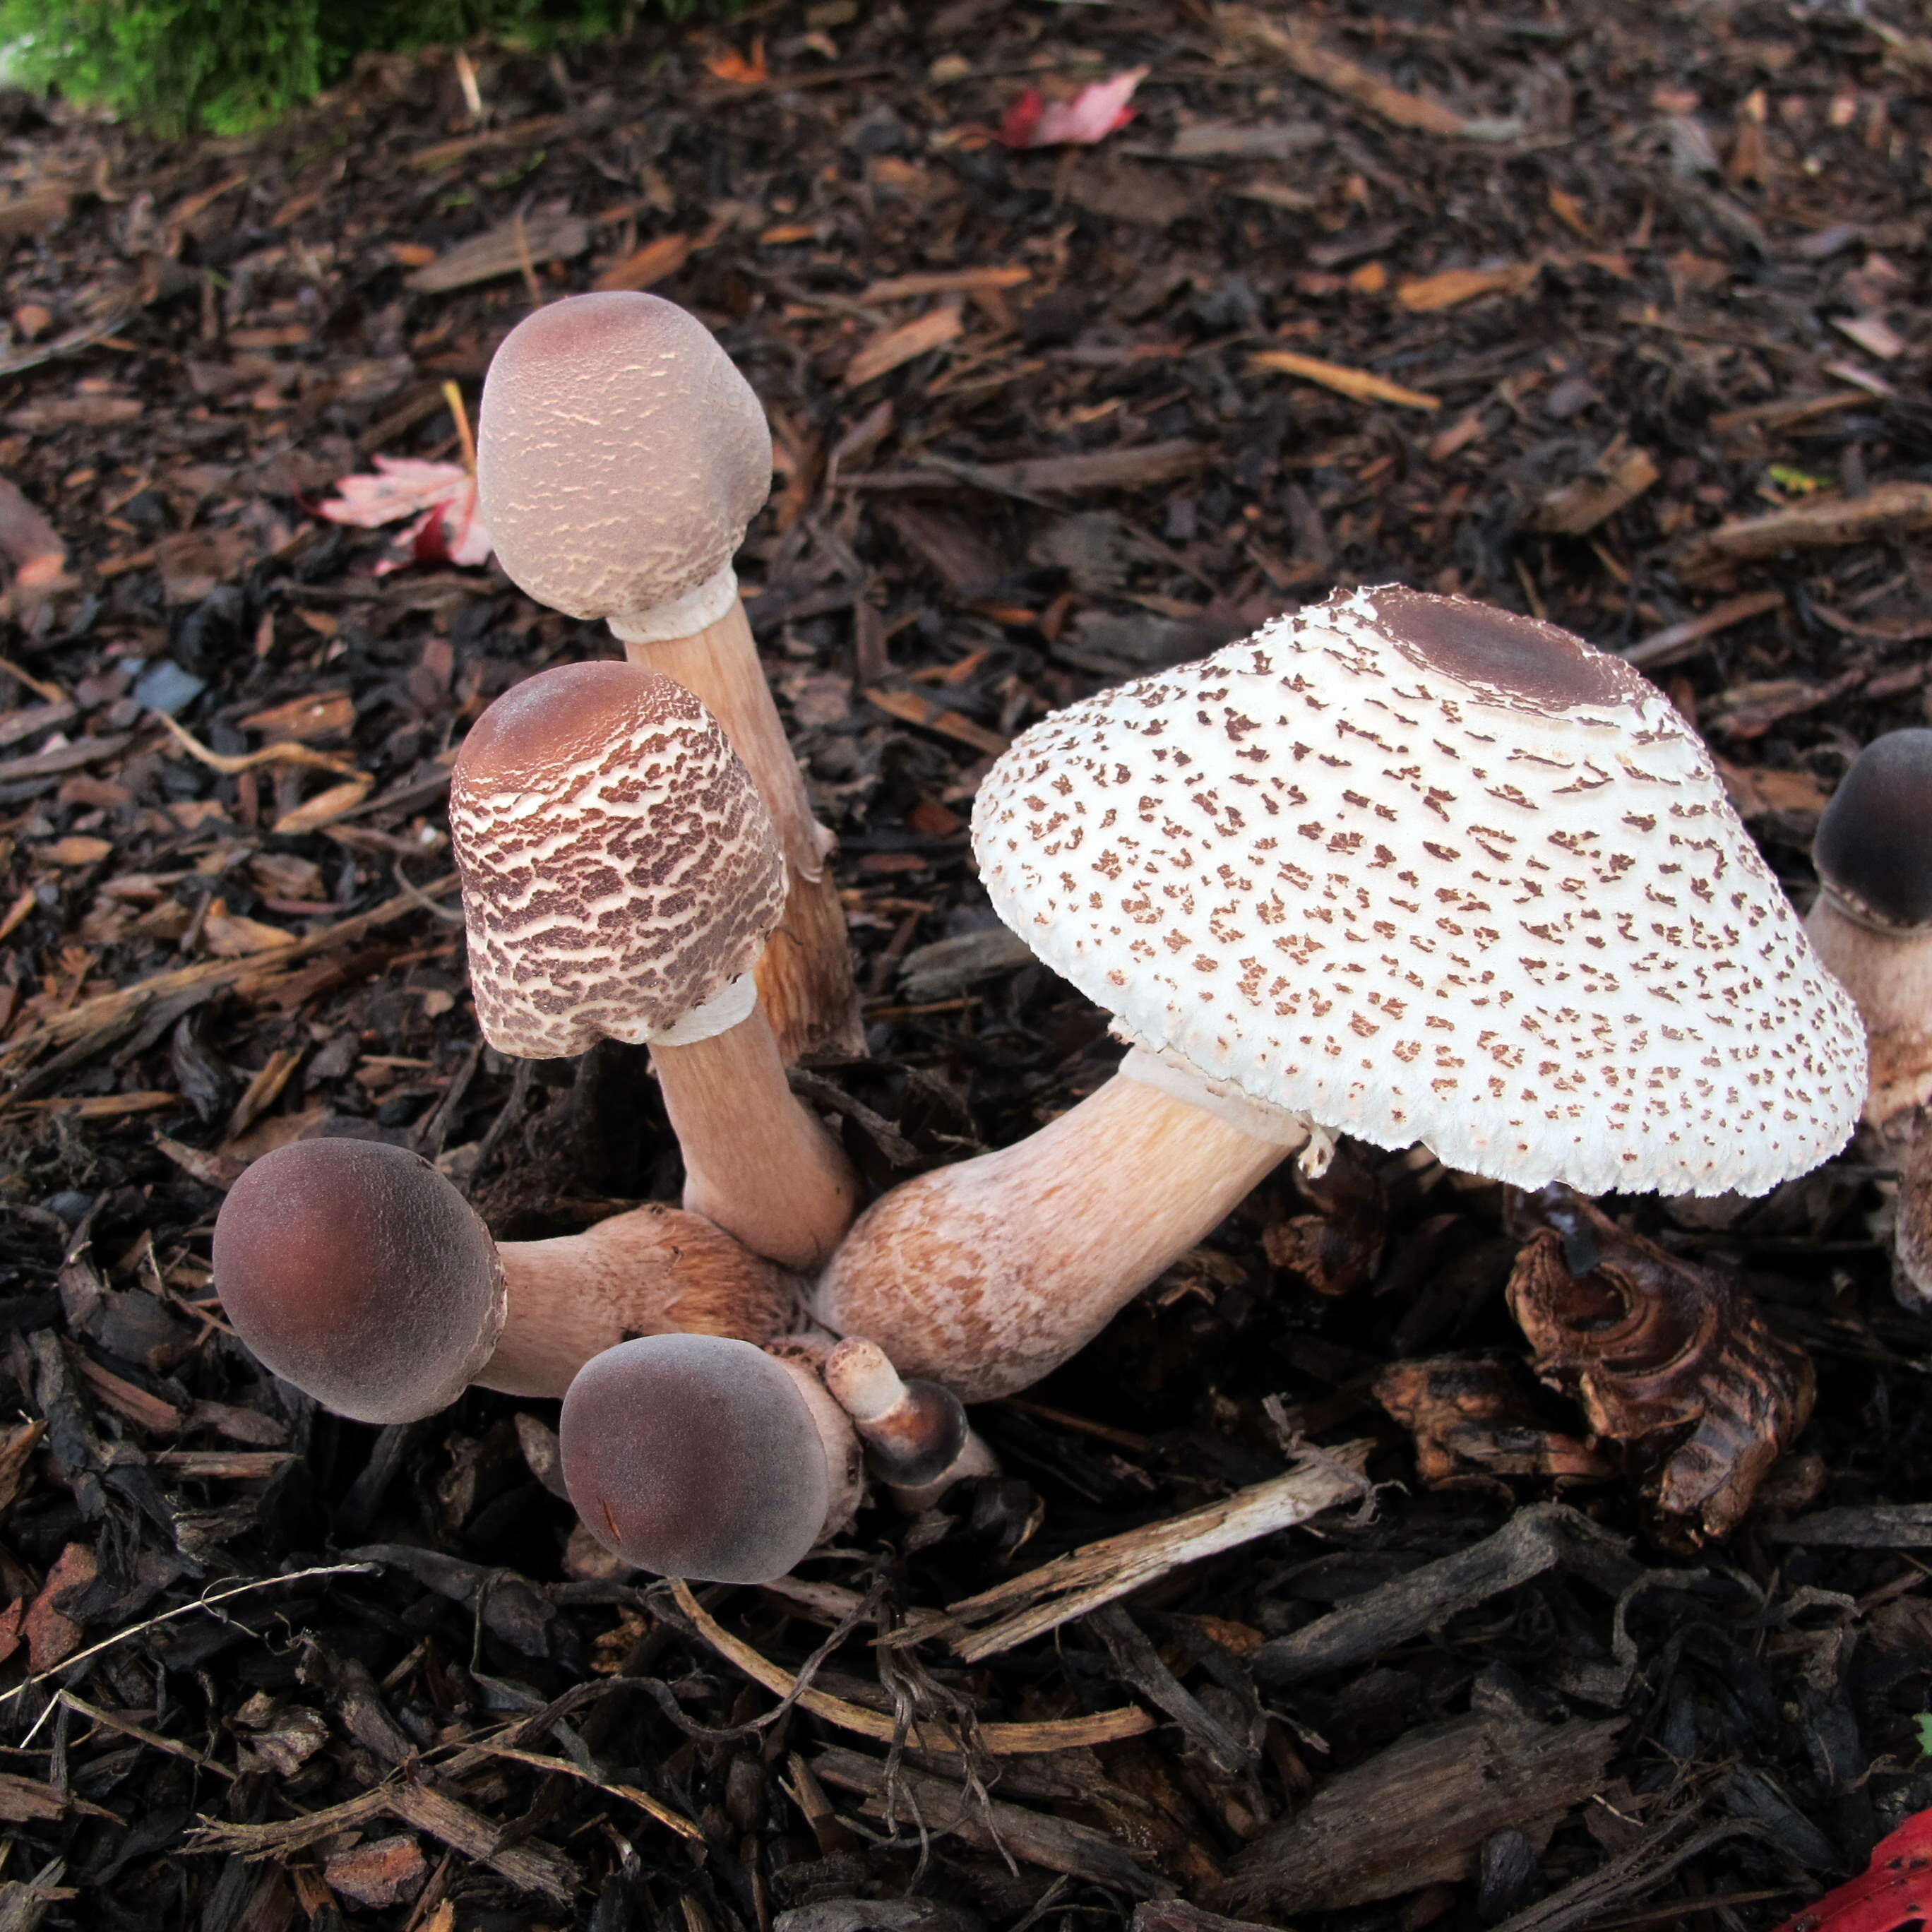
x: 229, y: 67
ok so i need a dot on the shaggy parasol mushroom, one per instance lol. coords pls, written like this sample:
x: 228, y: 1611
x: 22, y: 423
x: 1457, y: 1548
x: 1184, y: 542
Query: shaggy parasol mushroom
x: 356, y: 1271
x: 620, y: 877
x: 706, y: 1458
x: 1405, y: 866
x: 1872, y: 923
x: 620, y: 456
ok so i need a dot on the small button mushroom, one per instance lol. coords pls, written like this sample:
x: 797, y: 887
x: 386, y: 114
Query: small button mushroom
x: 1872, y: 922
x: 706, y: 1458
x: 620, y: 879
x: 918, y: 1441
x: 356, y: 1271
x: 620, y: 456
x: 1402, y: 866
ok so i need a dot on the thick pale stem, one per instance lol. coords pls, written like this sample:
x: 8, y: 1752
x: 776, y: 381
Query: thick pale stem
x: 805, y: 978
x: 754, y: 1161
x: 1889, y: 977
x: 986, y: 1275
x: 653, y: 1271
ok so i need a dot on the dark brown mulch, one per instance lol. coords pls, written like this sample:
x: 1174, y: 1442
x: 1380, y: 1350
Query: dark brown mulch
x: 1701, y: 280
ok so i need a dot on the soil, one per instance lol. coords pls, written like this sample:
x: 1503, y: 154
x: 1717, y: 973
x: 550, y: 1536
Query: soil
x: 1580, y: 286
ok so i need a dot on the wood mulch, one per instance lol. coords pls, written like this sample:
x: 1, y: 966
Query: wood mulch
x: 1615, y: 313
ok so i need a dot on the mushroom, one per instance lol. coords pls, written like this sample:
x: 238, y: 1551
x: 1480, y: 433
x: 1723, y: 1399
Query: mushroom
x: 917, y: 1440
x: 620, y: 877
x: 620, y: 456
x: 697, y: 1457
x: 355, y: 1270
x: 1407, y: 866
x: 1872, y: 921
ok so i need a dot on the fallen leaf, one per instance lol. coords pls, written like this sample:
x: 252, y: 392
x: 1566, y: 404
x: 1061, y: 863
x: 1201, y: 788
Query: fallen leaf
x: 1892, y: 1892
x: 448, y: 525
x: 732, y: 66
x: 1099, y: 109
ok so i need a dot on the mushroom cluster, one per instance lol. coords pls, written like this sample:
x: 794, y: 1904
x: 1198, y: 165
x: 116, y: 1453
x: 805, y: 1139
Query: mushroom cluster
x: 1400, y: 866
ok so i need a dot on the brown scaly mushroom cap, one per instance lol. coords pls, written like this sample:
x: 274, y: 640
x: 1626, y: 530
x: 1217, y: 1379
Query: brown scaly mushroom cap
x: 702, y: 1458
x: 355, y: 1271
x: 619, y: 873
x: 620, y: 457
x: 1426, y: 870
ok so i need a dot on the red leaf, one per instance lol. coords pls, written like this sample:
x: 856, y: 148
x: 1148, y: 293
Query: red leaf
x: 1895, y: 1891
x: 1099, y: 109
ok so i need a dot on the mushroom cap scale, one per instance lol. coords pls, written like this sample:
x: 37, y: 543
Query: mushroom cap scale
x: 695, y: 1456
x: 1426, y: 870
x: 618, y: 868
x: 1873, y: 848
x: 356, y: 1271
x: 620, y: 455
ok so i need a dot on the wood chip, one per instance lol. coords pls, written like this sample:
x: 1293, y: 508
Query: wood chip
x: 325, y: 809
x: 58, y: 758
x: 942, y: 282
x: 911, y: 709
x: 1358, y: 383
x: 1002, y: 1739
x: 503, y: 250
x: 891, y: 347
x: 1579, y: 507
x: 1886, y: 510
x: 993, y: 1824
x: 1676, y: 641
x: 1297, y: 49
x: 663, y: 256
x: 1043, y: 1599
x: 103, y: 1106
x: 1454, y: 286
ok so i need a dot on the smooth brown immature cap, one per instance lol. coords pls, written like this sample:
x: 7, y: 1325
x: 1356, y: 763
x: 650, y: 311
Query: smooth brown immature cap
x: 695, y: 1456
x: 1423, y: 870
x: 618, y: 868
x: 356, y: 1271
x: 1873, y: 848
x: 620, y: 457
x: 914, y: 1431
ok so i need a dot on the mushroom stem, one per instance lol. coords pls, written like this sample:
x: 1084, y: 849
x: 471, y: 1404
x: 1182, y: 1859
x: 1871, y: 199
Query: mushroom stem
x: 986, y: 1275
x: 655, y: 1270
x: 755, y: 1161
x: 805, y: 978
x: 1889, y: 974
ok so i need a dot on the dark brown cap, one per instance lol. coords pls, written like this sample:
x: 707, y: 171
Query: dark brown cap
x: 356, y: 1271
x: 1873, y: 849
x: 695, y: 1456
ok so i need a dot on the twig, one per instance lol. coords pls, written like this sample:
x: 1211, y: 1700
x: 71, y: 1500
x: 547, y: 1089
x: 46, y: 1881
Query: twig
x: 206, y: 1602
x: 231, y: 764
x: 1051, y: 1734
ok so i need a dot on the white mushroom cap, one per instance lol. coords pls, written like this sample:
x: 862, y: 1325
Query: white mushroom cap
x: 620, y: 870
x: 1426, y: 870
x: 620, y: 455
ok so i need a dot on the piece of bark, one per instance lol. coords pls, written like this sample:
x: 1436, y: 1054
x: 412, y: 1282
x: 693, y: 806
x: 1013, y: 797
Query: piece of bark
x: 32, y: 545
x: 1469, y: 1413
x: 382, y: 1873
x: 1176, y: 1915
x: 505, y: 251
x: 1885, y: 510
x: 1298, y: 49
x: 1670, y: 1357
x: 1546, y: 1536
x: 1337, y: 1248
x: 941, y: 1807
x: 1872, y: 1526
x: 1139, y: 1665
x: 1418, y: 1814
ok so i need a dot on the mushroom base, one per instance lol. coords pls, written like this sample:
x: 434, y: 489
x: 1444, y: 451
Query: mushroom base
x: 986, y: 1275
x: 654, y: 1271
x: 805, y: 978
